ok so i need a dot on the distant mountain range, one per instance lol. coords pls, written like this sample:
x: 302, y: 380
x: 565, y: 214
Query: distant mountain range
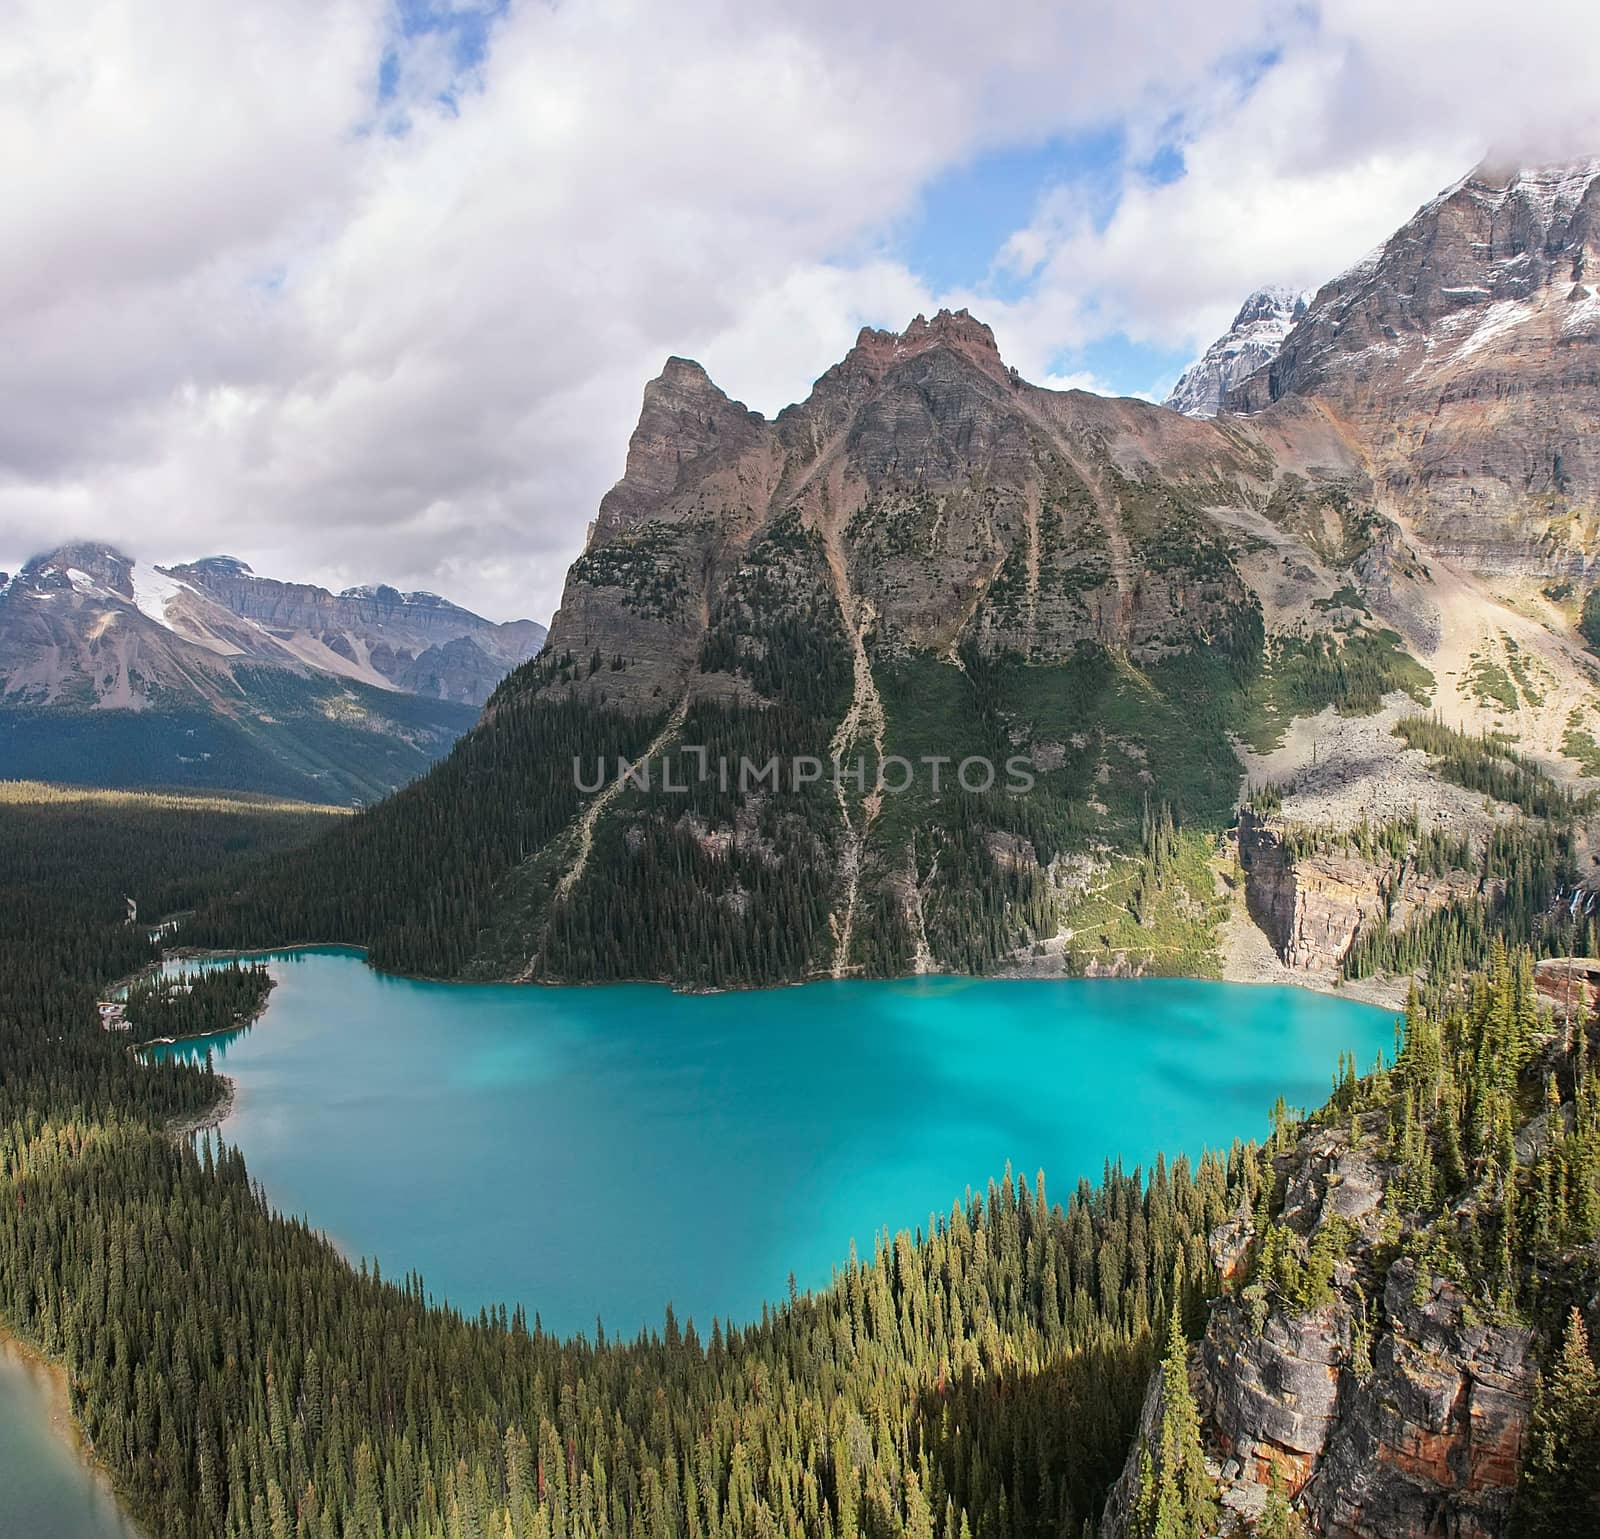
x: 204, y: 674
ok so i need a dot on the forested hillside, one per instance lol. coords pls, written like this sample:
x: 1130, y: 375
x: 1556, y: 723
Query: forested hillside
x: 69, y: 860
x: 985, y: 1378
x: 992, y: 635
x: 463, y: 873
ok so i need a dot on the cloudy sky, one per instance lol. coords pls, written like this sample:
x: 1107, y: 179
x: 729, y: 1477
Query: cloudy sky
x: 367, y: 290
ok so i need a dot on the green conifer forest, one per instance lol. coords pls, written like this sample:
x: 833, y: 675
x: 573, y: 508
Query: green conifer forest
x: 984, y: 1377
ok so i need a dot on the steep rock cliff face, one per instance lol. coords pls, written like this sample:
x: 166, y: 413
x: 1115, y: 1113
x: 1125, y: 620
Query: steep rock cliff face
x: 1312, y: 906
x: 1437, y: 1425
x: 1380, y: 1413
x: 949, y: 502
x: 1392, y: 1409
x: 1465, y: 353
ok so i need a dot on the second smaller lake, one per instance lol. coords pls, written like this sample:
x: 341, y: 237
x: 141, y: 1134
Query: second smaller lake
x: 48, y: 1488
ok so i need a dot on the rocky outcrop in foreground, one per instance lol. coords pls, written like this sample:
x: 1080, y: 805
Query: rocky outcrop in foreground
x: 1398, y: 1406
x: 1379, y: 1414
x: 1402, y: 1267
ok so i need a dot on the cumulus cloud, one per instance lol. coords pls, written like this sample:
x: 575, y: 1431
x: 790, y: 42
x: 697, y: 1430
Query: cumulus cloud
x: 283, y: 280
x: 1292, y: 172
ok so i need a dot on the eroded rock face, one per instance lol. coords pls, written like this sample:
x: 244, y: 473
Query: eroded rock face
x: 1431, y: 1439
x: 1393, y: 1410
x: 687, y: 426
x: 1426, y: 1441
x: 1466, y: 354
x: 1273, y: 1394
x: 1313, y: 906
x: 934, y: 499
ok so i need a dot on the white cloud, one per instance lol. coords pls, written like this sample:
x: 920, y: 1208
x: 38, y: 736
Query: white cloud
x: 1366, y: 111
x: 246, y: 308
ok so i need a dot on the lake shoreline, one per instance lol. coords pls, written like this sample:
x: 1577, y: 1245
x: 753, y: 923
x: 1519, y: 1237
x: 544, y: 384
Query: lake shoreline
x: 240, y: 1024
x: 1386, y: 993
x: 64, y: 1426
x: 212, y: 1117
x: 450, y: 1130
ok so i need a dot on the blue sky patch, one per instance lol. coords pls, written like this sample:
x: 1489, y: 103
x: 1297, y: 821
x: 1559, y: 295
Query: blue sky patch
x: 1124, y: 366
x: 466, y: 30
x: 967, y: 214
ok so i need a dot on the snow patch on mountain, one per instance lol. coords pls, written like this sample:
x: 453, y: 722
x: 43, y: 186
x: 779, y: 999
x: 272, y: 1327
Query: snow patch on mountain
x: 153, y: 589
x: 1583, y: 316
x: 1502, y: 316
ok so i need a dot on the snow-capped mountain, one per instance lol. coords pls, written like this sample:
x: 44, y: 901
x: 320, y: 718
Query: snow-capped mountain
x: 1253, y: 339
x: 1464, y: 353
x: 115, y: 672
x: 417, y: 642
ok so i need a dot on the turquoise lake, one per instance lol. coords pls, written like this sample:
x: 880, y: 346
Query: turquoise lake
x: 603, y: 1151
x: 47, y: 1486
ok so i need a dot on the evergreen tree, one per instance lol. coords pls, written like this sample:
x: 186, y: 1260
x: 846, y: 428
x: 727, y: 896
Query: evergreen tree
x: 1559, y: 1495
x: 1185, y: 1505
x: 1278, y: 1519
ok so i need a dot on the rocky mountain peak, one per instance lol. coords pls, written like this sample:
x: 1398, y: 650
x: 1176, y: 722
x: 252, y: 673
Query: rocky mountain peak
x: 684, y: 417
x: 1494, y: 240
x: 1463, y: 353
x: 222, y: 566
x: 953, y: 345
x: 81, y: 564
x: 879, y: 351
x: 1269, y: 304
x: 684, y: 377
x: 1258, y: 330
x: 1552, y: 191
